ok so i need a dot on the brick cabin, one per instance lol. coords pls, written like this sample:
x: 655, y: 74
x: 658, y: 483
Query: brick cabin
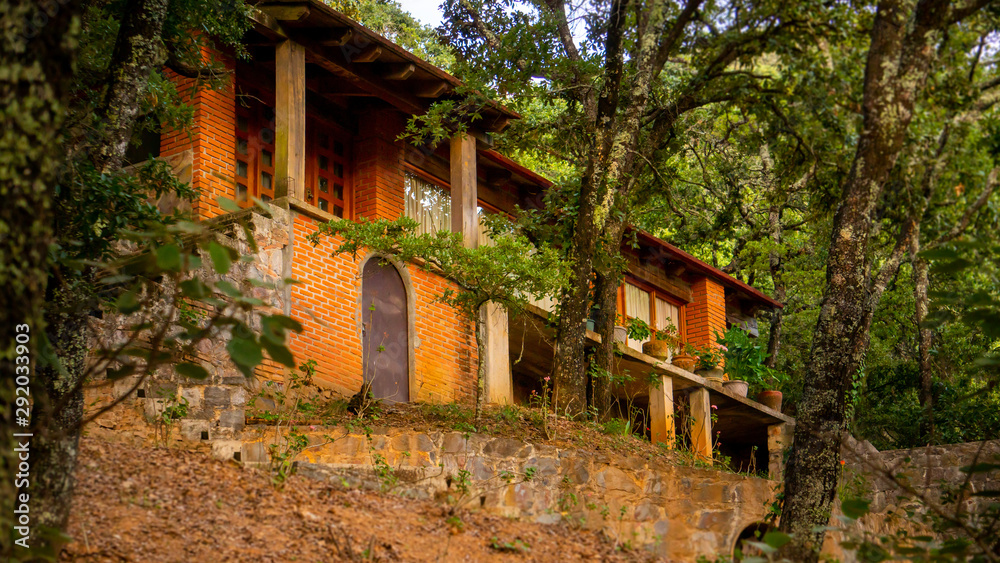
x: 312, y: 123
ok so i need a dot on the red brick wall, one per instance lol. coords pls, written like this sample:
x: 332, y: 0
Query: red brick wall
x: 212, y: 139
x: 706, y: 314
x: 378, y: 170
x: 326, y: 302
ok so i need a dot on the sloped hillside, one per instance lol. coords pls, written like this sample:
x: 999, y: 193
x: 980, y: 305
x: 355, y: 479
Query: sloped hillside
x: 140, y: 503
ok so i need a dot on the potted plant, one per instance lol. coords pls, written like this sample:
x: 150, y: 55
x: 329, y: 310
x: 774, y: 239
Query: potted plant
x: 746, y: 364
x: 684, y: 358
x: 709, y: 363
x: 621, y: 332
x: 662, y: 343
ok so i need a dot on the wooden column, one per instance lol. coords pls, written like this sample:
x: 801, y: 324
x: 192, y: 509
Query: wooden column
x: 701, y: 424
x: 290, y: 120
x: 499, y: 387
x: 661, y: 411
x: 464, y: 218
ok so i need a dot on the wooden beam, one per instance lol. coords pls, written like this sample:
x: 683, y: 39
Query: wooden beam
x: 661, y: 411
x: 430, y: 89
x: 329, y: 37
x: 495, y: 176
x: 286, y: 12
x: 267, y: 25
x: 369, y: 54
x: 398, y: 71
x: 290, y: 121
x: 701, y: 424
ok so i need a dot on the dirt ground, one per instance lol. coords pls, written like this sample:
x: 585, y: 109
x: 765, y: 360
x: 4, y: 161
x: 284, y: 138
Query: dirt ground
x: 136, y: 502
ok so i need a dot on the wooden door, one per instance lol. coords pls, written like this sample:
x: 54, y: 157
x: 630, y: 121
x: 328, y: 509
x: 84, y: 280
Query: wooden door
x: 384, y: 332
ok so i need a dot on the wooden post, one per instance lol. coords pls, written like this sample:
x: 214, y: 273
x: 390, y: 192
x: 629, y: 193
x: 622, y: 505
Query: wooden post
x: 290, y: 120
x: 661, y: 411
x: 701, y: 424
x: 499, y: 387
x: 464, y: 216
x: 779, y: 438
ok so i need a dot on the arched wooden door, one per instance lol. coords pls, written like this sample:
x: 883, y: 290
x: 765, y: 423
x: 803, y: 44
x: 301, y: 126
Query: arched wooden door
x: 384, y: 332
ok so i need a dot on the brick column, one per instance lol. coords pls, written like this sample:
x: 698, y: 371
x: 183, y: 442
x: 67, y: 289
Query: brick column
x: 378, y: 167
x: 706, y: 314
x: 211, y: 139
x: 779, y: 439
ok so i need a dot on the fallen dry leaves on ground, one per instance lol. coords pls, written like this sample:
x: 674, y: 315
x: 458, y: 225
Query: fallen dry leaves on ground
x: 139, y: 503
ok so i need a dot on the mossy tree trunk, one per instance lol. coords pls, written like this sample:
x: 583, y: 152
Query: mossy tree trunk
x: 901, y: 53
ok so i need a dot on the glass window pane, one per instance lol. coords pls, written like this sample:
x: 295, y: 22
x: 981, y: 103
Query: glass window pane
x: 338, y: 211
x: 241, y: 146
x: 667, y: 314
x: 324, y: 163
x: 242, y: 169
x: 267, y: 158
x: 265, y: 180
x: 265, y: 198
x: 338, y: 191
x: 241, y: 192
x: 324, y: 205
x: 338, y: 148
x: 427, y: 204
x: 324, y: 185
x: 338, y: 170
x: 242, y: 123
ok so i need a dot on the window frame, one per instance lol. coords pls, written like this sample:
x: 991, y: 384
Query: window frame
x: 258, y: 124
x: 654, y: 293
x: 315, y: 128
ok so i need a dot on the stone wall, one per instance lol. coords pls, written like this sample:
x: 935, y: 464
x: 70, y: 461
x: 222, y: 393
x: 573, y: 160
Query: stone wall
x: 679, y: 512
x: 215, y: 405
x: 929, y: 470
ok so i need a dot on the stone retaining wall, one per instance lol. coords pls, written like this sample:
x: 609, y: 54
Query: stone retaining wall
x: 679, y: 512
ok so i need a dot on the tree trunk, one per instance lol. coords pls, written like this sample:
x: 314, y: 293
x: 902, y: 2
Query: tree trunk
x: 138, y: 50
x: 606, y: 311
x: 925, y: 338
x: 898, y: 63
x: 59, y: 409
x: 778, y: 279
x: 481, y: 320
x: 37, y: 54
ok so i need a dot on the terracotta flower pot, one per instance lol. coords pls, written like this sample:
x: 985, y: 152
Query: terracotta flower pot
x: 712, y: 374
x: 684, y: 361
x: 737, y: 386
x: 770, y: 399
x: 659, y: 349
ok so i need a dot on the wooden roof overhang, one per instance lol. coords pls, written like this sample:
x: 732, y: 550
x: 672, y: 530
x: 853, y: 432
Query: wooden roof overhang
x: 360, y: 62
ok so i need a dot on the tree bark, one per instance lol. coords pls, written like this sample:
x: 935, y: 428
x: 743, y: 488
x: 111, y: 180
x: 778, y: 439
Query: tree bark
x: 925, y: 337
x: 138, y: 50
x: 606, y: 312
x: 778, y: 279
x: 899, y: 58
x: 37, y: 54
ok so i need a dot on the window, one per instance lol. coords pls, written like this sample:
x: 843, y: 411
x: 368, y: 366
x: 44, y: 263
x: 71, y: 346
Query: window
x: 254, y: 150
x: 652, y: 307
x: 428, y: 204
x: 327, y: 168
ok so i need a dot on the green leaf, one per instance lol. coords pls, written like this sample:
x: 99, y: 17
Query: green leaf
x: 776, y: 539
x: 854, y: 508
x: 194, y: 371
x: 244, y: 352
x: 118, y: 373
x: 279, y: 353
x: 127, y: 303
x: 220, y: 257
x: 228, y: 288
x: 227, y: 204
x: 168, y: 257
x: 194, y: 288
